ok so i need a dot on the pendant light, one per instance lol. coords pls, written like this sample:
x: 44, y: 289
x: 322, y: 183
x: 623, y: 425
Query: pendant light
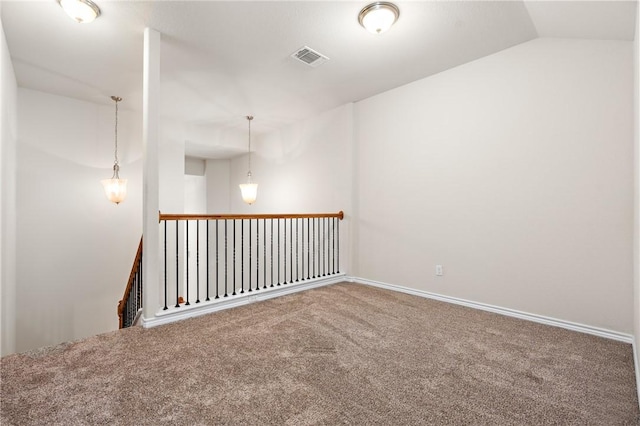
x: 115, y: 188
x: 249, y: 190
x: 378, y: 17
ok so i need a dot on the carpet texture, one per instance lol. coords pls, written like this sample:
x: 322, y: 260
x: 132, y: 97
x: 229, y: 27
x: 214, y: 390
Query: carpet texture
x: 342, y: 354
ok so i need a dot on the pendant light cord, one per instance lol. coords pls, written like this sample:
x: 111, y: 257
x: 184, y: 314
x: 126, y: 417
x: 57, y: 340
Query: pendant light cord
x: 116, y: 167
x: 116, y: 153
x: 249, y: 118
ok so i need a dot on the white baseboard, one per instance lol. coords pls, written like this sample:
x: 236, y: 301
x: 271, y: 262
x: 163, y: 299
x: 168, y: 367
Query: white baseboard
x: 582, y: 328
x: 194, y: 310
x: 177, y: 314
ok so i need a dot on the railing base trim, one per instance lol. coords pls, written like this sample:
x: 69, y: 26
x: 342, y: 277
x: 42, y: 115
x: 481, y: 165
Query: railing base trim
x: 203, y: 308
x: 138, y: 317
x: 540, y: 319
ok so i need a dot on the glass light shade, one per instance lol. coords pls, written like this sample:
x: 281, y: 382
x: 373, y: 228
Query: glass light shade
x: 377, y: 18
x: 116, y: 189
x: 81, y: 11
x: 249, y: 192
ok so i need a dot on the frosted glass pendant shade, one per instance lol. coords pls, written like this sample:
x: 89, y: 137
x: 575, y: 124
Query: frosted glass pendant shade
x: 116, y: 189
x: 249, y: 192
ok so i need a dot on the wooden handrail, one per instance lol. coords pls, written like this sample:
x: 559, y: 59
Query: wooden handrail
x: 134, y: 269
x: 163, y: 216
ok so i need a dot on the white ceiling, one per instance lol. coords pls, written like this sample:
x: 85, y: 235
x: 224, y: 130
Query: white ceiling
x: 221, y: 61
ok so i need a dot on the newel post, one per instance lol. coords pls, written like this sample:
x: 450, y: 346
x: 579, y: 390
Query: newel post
x: 150, y: 173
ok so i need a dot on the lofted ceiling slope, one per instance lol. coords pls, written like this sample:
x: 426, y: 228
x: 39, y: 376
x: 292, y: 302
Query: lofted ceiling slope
x: 222, y: 60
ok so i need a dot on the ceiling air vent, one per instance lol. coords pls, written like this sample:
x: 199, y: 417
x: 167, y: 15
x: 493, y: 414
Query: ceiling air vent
x: 309, y: 56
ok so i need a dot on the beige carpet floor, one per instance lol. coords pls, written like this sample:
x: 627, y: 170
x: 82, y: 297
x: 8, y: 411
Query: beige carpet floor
x: 343, y: 354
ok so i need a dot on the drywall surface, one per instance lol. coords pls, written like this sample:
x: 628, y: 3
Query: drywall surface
x: 75, y: 249
x: 194, y: 166
x: 636, y: 192
x: 8, y: 127
x: 172, y: 166
x: 513, y: 172
x: 217, y: 175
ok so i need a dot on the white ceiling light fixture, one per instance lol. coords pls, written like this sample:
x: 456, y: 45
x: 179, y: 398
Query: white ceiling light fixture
x: 81, y: 11
x: 378, y: 17
x: 115, y: 188
x: 249, y: 190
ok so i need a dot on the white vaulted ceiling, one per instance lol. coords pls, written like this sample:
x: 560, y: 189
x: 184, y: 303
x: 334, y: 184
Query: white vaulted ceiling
x: 223, y: 60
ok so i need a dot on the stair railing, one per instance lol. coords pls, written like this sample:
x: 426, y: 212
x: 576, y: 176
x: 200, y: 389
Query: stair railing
x: 209, y: 257
x: 131, y: 303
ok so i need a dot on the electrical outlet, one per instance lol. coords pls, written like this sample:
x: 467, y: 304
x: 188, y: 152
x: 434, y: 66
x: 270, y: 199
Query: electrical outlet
x: 439, y: 271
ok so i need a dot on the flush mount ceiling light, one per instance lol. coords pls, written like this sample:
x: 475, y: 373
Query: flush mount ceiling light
x: 115, y: 188
x: 249, y: 190
x: 81, y: 11
x: 378, y: 17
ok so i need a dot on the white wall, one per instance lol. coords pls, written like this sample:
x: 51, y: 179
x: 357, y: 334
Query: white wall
x: 303, y: 168
x: 218, y: 187
x: 75, y: 248
x: 8, y: 127
x: 172, y: 166
x: 515, y: 173
x: 194, y: 166
x: 636, y: 192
